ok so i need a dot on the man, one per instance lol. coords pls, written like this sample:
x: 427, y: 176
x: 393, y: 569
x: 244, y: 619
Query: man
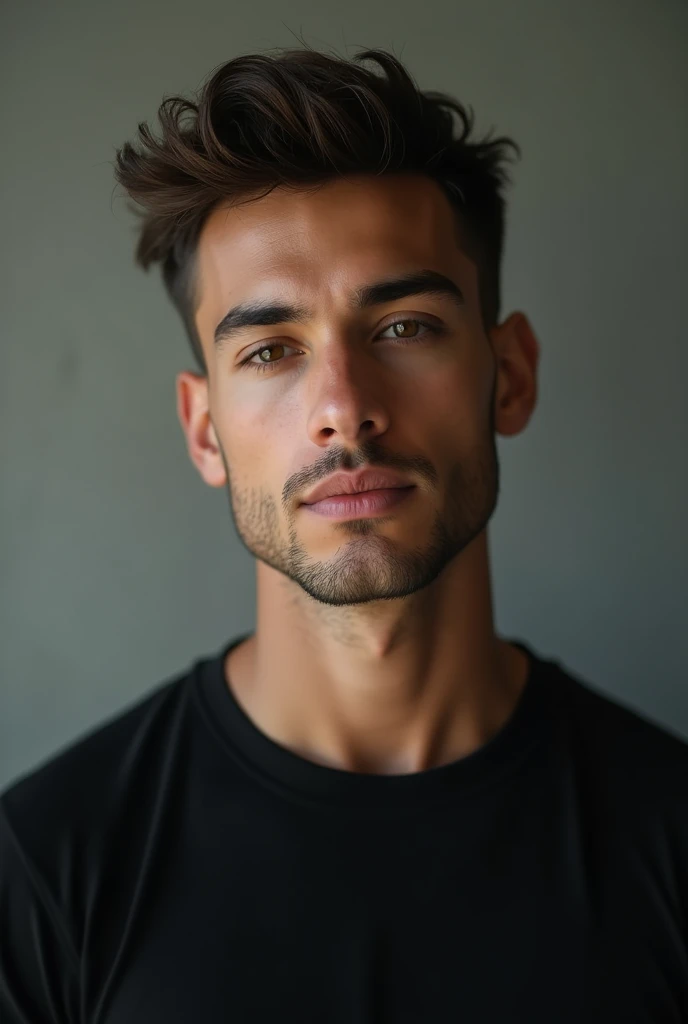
x: 372, y: 808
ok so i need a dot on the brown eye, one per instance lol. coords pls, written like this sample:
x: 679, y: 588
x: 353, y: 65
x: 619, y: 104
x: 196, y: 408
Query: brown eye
x: 264, y: 364
x: 254, y: 360
x: 268, y: 348
x: 429, y: 329
x: 404, y: 324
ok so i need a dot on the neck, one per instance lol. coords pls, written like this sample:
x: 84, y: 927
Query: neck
x: 387, y: 687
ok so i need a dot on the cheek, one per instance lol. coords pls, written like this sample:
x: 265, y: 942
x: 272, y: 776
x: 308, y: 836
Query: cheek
x: 261, y: 441
x: 453, y: 409
x: 457, y: 396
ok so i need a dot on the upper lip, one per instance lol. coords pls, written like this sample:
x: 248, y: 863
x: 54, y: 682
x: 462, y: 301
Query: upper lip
x: 353, y: 483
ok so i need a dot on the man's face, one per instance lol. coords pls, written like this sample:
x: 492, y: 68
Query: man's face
x: 345, y: 389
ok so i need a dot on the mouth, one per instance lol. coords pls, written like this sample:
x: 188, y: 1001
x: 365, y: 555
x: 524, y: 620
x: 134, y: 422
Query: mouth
x: 360, y: 503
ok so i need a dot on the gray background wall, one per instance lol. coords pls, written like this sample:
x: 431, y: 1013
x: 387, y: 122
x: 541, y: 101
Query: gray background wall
x: 119, y: 566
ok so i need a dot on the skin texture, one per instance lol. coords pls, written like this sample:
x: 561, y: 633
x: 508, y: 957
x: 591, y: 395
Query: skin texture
x: 375, y: 648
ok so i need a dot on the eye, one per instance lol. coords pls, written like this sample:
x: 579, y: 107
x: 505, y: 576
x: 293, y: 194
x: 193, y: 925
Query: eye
x: 262, y: 366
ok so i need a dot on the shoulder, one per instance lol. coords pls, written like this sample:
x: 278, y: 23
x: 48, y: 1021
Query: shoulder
x: 624, y: 748
x: 71, y: 799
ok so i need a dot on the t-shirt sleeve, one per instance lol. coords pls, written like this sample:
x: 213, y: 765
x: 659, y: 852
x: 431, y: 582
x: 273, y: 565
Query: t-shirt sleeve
x: 39, y: 966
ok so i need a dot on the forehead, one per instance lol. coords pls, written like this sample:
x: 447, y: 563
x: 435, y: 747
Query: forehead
x: 319, y: 246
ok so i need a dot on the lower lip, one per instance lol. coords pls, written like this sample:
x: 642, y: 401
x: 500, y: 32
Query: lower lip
x: 367, y: 503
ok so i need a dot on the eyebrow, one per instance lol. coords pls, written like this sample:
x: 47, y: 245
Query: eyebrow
x: 267, y: 312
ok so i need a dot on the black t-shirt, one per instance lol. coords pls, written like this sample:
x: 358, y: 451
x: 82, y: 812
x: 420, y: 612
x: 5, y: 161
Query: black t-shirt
x: 175, y: 864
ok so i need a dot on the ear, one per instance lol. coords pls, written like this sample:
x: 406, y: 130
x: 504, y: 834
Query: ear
x: 202, y: 443
x: 517, y: 353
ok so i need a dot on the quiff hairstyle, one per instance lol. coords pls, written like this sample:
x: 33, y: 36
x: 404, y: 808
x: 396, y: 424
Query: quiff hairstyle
x: 297, y: 120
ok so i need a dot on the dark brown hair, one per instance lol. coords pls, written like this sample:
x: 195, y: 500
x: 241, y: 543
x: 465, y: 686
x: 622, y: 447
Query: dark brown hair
x: 297, y: 120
